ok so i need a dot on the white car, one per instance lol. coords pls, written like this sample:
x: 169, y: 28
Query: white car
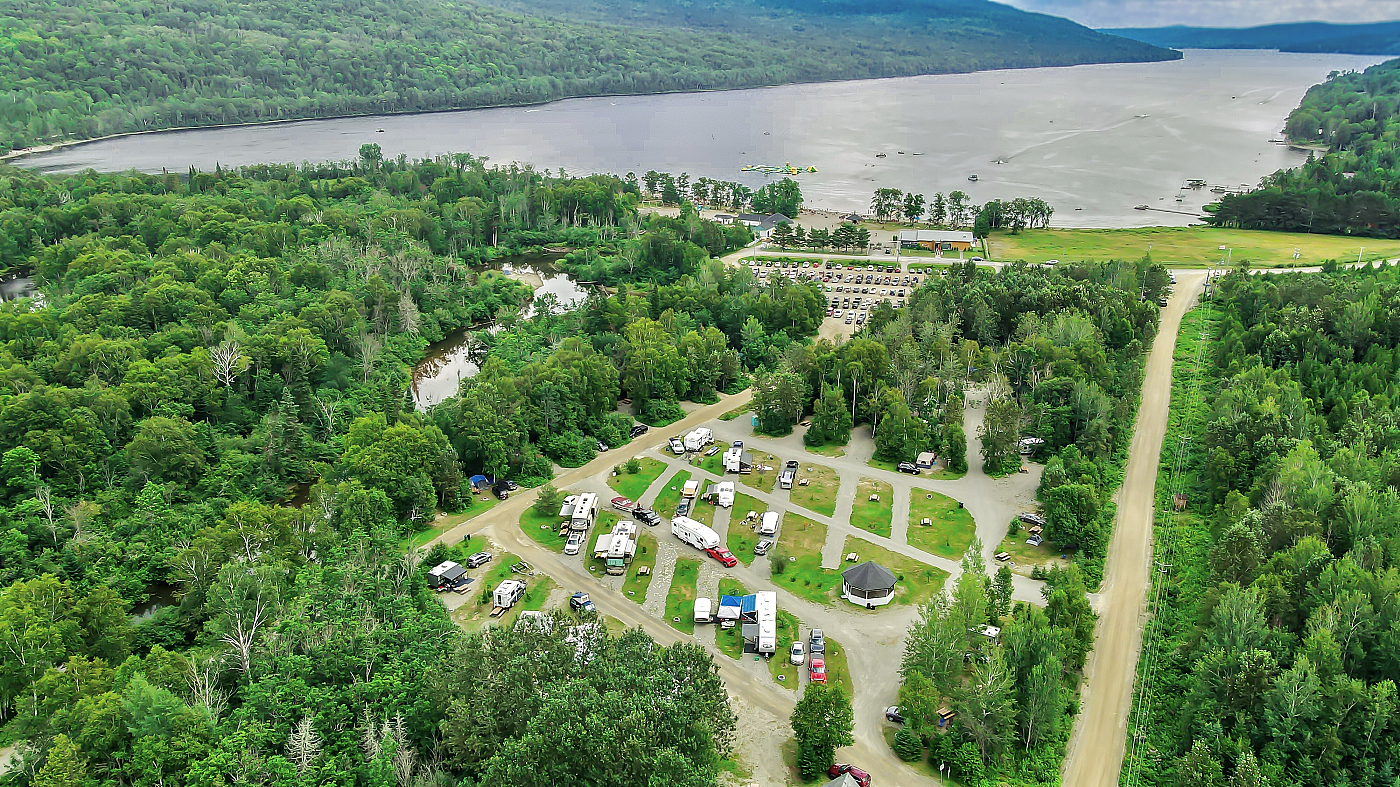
x: 575, y: 542
x: 798, y: 654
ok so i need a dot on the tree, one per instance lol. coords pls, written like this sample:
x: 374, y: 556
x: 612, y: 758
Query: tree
x: 1042, y: 703
x: 822, y: 722
x: 371, y: 155
x: 899, y: 434
x: 913, y: 207
x: 782, y: 196
x: 907, y: 745
x: 64, y: 765
x: 243, y: 603
x: 985, y: 705
x: 778, y: 401
x: 547, y: 500
x: 1000, y: 435
x: 955, y: 447
x: 886, y: 203
x: 831, y: 420
x: 1001, y: 590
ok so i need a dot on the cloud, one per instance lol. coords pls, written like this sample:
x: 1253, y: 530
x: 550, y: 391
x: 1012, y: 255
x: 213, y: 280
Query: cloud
x: 1212, y: 13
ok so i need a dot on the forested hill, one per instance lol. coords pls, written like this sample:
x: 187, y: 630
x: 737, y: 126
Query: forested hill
x: 1374, y: 38
x: 81, y: 70
x: 1352, y: 187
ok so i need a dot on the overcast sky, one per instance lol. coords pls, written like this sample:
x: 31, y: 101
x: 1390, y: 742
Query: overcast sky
x: 1212, y: 13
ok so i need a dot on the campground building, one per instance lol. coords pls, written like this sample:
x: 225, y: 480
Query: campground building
x: 940, y: 241
x: 869, y: 584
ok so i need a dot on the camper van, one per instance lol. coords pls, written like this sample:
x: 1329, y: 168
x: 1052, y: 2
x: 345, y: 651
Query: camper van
x: 446, y: 575
x: 788, y: 475
x: 698, y: 439
x: 702, y: 610
x: 724, y: 494
x: 617, y: 549
x: 737, y: 460
x: 507, y: 593
x: 585, y: 512
x: 691, y: 489
x: 769, y: 524
x: 694, y: 533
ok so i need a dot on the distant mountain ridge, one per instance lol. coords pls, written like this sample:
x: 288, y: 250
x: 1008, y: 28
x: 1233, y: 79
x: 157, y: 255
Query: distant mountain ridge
x: 1374, y: 38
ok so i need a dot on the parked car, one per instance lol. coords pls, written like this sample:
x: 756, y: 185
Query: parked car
x: 1032, y: 519
x: 907, y: 467
x: 677, y: 446
x: 817, y: 670
x: 818, y: 642
x: 581, y: 602
x: 602, y: 446
x: 762, y: 547
x: 683, y: 507
x: 892, y: 714
x: 647, y: 516
x: 478, y: 560
x: 723, y: 555
x: 500, y: 491
x: 510, y: 485
x: 862, y: 778
x: 798, y: 654
x: 623, y: 504
x: 575, y: 542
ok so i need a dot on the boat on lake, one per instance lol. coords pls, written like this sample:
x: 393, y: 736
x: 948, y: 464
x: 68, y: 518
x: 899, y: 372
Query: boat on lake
x: 1141, y: 207
x: 972, y: 178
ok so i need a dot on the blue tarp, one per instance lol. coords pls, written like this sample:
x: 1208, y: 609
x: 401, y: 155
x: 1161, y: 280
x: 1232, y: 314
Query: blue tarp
x: 479, y: 481
x: 732, y: 601
x: 748, y: 607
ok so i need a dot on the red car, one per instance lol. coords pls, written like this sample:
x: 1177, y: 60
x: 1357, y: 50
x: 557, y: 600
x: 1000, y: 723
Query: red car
x: 723, y: 556
x: 862, y: 778
x: 622, y: 504
x: 817, y: 669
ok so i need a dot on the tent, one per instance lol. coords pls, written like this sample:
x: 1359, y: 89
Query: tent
x: 729, y: 607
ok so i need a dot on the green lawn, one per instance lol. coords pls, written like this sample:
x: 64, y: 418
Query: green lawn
x: 634, y: 485
x: 475, y: 611
x: 951, y: 529
x: 873, y: 516
x: 780, y: 664
x: 767, y: 479
x: 830, y: 449
x: 442, y: 524
x: 918, y: 582
x: 703, y: 512
x: 670, y: 495
x: 797, y: 560
x: 741, y: 539
x: 936, y: 475
x: 730, y: 641
x: 635, y: 586
x: 714, y: 465
x: 680, y: 601
x: 837, y: 673
x: 1024, y: 555
x: 545, y: 529
x: 820, y: 492
x: 1194, y: 246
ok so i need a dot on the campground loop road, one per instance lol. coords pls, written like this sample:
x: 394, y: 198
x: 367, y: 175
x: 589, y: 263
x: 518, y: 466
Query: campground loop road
x: 1095, y: 754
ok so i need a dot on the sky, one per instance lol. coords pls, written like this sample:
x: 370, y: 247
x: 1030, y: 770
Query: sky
x: 1212, y: 13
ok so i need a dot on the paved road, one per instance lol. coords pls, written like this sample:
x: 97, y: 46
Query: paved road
x: 1096, y: 746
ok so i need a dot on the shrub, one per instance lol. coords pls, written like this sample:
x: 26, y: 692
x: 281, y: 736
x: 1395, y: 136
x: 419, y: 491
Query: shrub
x: 907, y: 745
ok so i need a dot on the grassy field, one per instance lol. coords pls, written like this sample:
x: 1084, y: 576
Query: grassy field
x: 826, y: 450
x: 680, y: 601
x: 446, y: 522
x: 670, y: 495
x: 605, y: 523
x: 713, y: 465
x: 873, y: 516
x: 634, y: 485
x: 780, y: 664
x: 820, y: 492
x: 951, y: 530
x: 1193, y: 246
x: 837, y: 673
x: 703, y: 512
x: 937, y: 474
x: 918, y: 582
x: 730, y: 641
x: 474, y: 612
x: 767, y: 479
x: 635, y: 586
x: 741, y: 539
x: 802, y: 538
x: 545, y: 529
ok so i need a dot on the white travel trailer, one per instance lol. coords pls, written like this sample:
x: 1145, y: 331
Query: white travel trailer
x: 699, y: 438
x: 585, y: 512
x: 724, y: 494
x: 702, y: 610
x: 694, y: 533
x: 507, y: 593
x: 768, y: 526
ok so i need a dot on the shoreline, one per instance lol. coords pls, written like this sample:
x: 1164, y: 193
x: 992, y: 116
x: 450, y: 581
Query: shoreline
x: 22, y: 153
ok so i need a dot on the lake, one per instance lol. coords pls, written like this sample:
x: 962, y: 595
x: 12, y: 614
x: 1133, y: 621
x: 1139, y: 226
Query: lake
x: 1094, y: 141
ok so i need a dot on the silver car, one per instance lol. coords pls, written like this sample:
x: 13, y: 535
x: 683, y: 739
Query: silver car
x: 762, y: 547
x: 575, y: 542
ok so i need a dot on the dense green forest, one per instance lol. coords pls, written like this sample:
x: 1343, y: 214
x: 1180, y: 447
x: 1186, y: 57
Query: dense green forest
x: 1366, y: 38
x: 1353, y: 188
x: 1272, y: 657
x: 208, y: 344
x: 81, y: 70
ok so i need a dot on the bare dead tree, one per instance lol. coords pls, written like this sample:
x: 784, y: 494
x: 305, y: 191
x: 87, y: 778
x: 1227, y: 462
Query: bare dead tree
x: 229, y: 362
x: 202, y: 678
x: 369, y: 345
x: 303, y: 745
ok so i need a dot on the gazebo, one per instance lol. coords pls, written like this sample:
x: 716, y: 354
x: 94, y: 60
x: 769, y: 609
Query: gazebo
x: 868, y: 584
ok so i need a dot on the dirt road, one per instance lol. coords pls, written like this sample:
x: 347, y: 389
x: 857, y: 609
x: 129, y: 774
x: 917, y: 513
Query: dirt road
x: 1096, y: 747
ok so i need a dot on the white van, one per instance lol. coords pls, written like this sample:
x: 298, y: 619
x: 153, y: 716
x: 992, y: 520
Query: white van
x: 768, y: 526
x: 702, y: 610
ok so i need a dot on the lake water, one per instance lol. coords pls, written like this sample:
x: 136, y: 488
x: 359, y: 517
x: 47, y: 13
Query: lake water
x: 1099, y: 138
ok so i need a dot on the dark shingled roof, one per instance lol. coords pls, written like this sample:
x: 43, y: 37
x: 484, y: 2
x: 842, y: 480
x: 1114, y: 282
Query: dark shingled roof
x: 869, y: 576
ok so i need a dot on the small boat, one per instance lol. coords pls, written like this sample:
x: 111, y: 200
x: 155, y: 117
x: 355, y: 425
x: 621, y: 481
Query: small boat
x: 1195, y: 183
x: 1141, y: 207
x: 1218, y: 189
x: 879, y: 155
x: 972, y: 178
x: 380, y: 131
